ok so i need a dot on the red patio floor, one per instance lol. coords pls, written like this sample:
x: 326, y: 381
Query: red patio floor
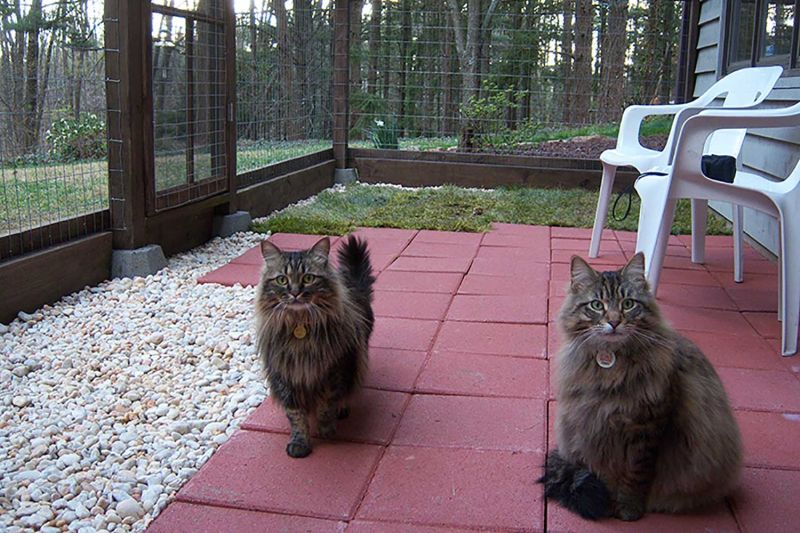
x: 450, y: 432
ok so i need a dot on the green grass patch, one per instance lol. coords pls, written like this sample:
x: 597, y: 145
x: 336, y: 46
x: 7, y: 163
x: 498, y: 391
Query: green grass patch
x: 450, y: 208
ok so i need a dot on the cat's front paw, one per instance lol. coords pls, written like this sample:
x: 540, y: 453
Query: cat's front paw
x: 298, y: 449
x: 630, y: 513
x: 327, y: 431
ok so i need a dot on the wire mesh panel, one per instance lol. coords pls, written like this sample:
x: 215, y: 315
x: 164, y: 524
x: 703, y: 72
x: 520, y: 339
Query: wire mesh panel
x: 53, y: 168
x: 189, y: 101
x: 284, y: 66
x: 502, y: 76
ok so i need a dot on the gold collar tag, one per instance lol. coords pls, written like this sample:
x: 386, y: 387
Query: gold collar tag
x: 300, y: 332
x: 605, y: 359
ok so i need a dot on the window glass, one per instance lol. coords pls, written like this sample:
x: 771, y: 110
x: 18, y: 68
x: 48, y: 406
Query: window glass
x: 777, y: 24
x: 743, y: 24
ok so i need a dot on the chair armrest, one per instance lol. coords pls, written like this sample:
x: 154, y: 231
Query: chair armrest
x: 632, y: 119
x: 696, y: 129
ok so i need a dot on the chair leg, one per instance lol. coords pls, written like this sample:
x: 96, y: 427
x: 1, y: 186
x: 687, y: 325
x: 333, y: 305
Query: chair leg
x: 790, y: 286
x: 699, y: 224
x: 661, y: 246
x: 653, y: 214
x: 601, y: 215
x: 738, y: 241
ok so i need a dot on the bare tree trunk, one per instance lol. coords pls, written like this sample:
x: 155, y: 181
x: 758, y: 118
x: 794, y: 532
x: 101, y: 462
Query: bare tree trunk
x: 288, y: 108
x: 583, y: 61
x: 566, y: 63
x: 31, y: 134
x: 374, y: 46
x: 405, y: 41
x: 612, y: 72
x: 356, y: 46
x: 448, y: 66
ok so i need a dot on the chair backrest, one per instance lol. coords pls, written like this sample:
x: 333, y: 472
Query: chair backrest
x: 746, y: 87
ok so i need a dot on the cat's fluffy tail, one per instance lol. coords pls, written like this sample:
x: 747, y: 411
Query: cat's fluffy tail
x: 356, y: 269
x: 576, y: 488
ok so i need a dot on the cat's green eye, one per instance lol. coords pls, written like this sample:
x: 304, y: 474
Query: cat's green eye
x: 628, y: 304
x: 596, y: 305
x: 282, y: 281
x: 308, y: 278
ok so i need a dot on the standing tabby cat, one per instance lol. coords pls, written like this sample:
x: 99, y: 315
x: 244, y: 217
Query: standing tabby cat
x: 313, y: 325
x: 643, y: 423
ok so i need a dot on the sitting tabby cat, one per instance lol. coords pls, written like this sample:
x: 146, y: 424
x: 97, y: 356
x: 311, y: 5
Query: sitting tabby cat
x: 643, y: 423
x: 313, y: 326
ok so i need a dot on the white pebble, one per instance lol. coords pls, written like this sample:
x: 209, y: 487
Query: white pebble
x: 129, y: 508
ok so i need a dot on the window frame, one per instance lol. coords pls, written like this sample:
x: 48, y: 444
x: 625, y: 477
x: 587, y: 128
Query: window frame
x: 789, y: 61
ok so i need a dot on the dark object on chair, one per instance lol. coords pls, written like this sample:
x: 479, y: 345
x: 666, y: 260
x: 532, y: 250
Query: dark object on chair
x: 718, y: 167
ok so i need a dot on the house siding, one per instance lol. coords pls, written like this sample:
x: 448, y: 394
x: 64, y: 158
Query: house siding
x: 772, y: 153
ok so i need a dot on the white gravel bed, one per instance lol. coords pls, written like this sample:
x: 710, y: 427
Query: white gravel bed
x: 114, y: 396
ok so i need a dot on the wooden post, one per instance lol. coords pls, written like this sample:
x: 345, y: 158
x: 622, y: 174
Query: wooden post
x: 231, y: 130
x: 341, y: 81
x: 128, y: 104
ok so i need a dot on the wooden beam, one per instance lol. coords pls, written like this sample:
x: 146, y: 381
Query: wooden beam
x: 43, y: 277
x: 57, y: 232
x: 418, y: 173
x: 263, y: 198
x: 341, y: 81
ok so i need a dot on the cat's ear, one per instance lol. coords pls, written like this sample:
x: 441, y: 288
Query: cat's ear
x: 581, y: 274
x: 269, y: 251
x: 322, y: 248
x: 633, y: 272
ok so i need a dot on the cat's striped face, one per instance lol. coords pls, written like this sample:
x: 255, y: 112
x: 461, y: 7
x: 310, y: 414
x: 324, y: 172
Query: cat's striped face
x: 295, y: 281
x: 608, y: 307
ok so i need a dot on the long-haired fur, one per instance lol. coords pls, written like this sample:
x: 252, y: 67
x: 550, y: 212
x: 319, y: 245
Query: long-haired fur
x: 655, y: 428
x: 313, y: 325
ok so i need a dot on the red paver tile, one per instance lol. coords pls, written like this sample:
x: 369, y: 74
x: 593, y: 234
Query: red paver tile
x: 296, y: 241
x: 714, y: 320
x: 403, y: 333
x: 457, y: 487
x: 770, y: 439
x: 766, y: 324
x: 449, y: 237
x: 430, y: 249
x: 682, y: 262
x: 753, y: 299
x: 365, y: 526
x: 233, y: 273
x: 742, y: 351
x: 695, y: 296
x: 761, y: 390
x: 712, y: 241
x: 559, y: 273
x: 398, y: 280
x: 513, y: 240
x: 181, y: 517
x: 431, y: 264
x: 374, y: 415
x: 251, y: 257
x: 717, y: 519
x: 252, y: 471
x: 424, y: 305
x: 520, y: 229
x: 534, y: 269
x: 767, y: 500
x: 386, y: 234
x: 393, y: 369
x: 682, y: 276
x: 581, y: 247
x: 553, y: 340
x: 492, y: 338
x: 508, y: 256
x: 623, y: 235
x: 473, y: 422
x: 503, y: 285
x: 751, y: 281
x: 499, y: 308
x: 577, y: 233
x: 483, y: 375
x: 605, y: 261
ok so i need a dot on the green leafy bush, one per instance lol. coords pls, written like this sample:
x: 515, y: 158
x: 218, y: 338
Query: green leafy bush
x: 74, y: 139
x: 486, y: 119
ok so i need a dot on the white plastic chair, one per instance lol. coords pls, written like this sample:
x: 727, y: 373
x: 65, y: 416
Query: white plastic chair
x: 779, y: 199
x: 743, y: 88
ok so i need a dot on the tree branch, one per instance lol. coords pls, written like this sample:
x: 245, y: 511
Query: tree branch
x: 458, y: 28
